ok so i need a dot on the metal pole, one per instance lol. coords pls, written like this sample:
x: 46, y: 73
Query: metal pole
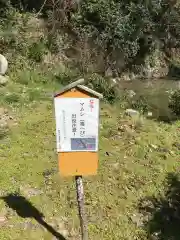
x: 80, y: 200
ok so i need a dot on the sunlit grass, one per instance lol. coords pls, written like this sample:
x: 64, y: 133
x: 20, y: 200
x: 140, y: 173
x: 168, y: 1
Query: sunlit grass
x: 130, y: 167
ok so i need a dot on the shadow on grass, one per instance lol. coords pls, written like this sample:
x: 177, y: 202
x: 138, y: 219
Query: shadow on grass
x: 26, y: 210
x: 3, y: 132
x: 174, y: 71
x: 167, y: 119
x: 163, y: 213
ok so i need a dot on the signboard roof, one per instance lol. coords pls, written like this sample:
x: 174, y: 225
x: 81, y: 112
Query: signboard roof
x: 77, y: 84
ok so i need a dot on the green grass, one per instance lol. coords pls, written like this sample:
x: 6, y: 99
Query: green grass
x: 141, y: 153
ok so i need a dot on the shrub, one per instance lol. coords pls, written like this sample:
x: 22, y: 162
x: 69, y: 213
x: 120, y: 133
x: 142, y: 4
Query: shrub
x: 140, y: 104
x: 66, y: 76
x: 3, y: 132
x: 21, y: 34
x: 12, y: 98
x: 123, y: 26
x: 103, y: 86
x: 127, y: 31
x: 110, y: 25
x: 28, y: 77
x: 174, y: 102
x: 37, y: 51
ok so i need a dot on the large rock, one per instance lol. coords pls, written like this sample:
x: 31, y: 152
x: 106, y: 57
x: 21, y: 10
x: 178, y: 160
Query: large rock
x: 125, y: 77
x: 3, y: 65
x: 131, y: 112
x: 108, y: 72
x: 113, y: 82
x: 131, y: 93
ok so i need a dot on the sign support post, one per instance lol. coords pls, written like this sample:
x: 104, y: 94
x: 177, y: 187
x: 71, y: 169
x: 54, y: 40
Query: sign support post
x: 77, y: 129
x: 82, y: 214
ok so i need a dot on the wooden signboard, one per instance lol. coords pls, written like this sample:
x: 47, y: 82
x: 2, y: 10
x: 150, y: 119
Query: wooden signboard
x: 77, y: 128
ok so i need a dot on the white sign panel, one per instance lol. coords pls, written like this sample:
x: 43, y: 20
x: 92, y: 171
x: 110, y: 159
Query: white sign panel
x: 77, y: 123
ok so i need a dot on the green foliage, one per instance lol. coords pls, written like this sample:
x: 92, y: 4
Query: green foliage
x: 133, y: 28
x: 174, y: 102
x: 110, y: 25
x: 12, y: 98
x: 34, y: 94
x: 3, y: 131
x: 140, y: 104
x: 37, y: 51
x: 125, y: 32
x: 103, y: 86
x: 20, y: 34
x: 30, y: 76
x: 66, y: 76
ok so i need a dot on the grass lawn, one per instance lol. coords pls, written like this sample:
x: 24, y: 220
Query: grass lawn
x: 138, y: 163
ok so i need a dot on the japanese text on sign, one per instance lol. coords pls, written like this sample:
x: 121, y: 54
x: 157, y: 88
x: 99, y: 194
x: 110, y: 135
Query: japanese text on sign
x: 77, y: 122
x: 82, y: 121
x: 74, y: 124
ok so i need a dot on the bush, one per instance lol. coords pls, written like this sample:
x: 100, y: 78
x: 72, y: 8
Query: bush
x: 123, y: 26
x: 174, y: 102
x: 103, y: 86
x: 21, y: 34
x: 3, y: 132
x: 28, y: 77
x: 12, y: 98
x: 122, y: 32
x: 140, y: 104
x: 128, y: 31
x: 37, y: 51
x: 66, y: 76
x: 110, y: 25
